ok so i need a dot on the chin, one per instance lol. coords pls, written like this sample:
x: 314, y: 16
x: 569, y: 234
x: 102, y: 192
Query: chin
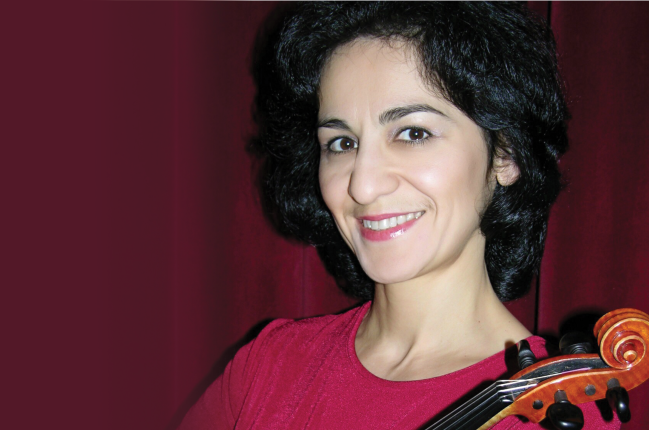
x: 389, y: 273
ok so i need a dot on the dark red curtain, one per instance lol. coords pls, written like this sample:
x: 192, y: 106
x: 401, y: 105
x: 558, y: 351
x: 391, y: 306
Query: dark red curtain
x: 597, y: 252
x: 138, y: 258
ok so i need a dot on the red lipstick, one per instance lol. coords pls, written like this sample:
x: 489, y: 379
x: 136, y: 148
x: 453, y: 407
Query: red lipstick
x: 388, y: 233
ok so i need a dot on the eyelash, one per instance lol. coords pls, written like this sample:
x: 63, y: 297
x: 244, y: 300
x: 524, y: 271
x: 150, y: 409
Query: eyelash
x: 415, y: 142
x: 330, y: 143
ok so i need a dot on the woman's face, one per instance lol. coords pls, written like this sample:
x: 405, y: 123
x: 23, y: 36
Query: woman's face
x: 403, y: 172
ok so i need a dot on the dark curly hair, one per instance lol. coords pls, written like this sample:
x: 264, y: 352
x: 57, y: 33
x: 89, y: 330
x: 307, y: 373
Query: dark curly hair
x: 496, y: 62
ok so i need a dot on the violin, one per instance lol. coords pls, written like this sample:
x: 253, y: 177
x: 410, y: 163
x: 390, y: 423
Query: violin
x: 552, y: 388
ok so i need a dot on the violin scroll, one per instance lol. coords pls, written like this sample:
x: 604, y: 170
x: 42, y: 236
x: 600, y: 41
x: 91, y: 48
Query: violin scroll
x: 623, y: 339
x: 623, y: 335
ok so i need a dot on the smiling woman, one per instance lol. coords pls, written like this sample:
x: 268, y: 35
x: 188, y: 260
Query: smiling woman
x: 416, y: 145
x: 410, y: 209
x: 414, y: 163
x: 500, y: 72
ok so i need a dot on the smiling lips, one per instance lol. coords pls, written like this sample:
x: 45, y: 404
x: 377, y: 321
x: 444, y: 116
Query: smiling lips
x: 387, y: 226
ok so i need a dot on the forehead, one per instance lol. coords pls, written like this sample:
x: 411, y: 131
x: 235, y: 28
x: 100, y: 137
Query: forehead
x: 372, y: 49
x: 376, y: 73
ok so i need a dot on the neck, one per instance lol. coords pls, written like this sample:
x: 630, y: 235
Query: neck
x: 435, y: 324
x: 434, y: 309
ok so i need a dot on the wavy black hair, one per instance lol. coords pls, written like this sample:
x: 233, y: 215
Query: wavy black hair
x: 496, y: 62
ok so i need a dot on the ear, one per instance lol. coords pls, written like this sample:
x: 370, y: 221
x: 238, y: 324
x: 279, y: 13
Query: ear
x: 506, y: 170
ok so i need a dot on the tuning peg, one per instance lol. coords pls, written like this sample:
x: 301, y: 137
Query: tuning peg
x: 525, y: 355
x: 563, y: 414
x: 575, y: 342
x: 618, y: 400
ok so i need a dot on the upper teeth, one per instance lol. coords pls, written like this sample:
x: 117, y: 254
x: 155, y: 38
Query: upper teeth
x: 391, y: 222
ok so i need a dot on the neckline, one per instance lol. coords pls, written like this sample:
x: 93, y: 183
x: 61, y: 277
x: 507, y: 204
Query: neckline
x: 536, y: 343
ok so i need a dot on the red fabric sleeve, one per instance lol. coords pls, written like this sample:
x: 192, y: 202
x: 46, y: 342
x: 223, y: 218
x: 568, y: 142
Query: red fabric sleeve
x: 214, y: 410
x: 219, y: 407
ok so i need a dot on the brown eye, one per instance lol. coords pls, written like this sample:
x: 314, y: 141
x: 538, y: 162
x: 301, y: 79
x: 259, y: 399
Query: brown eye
x: 342, y: 144
x: 413, y: 134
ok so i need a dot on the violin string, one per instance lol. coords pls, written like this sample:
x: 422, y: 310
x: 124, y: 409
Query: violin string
x: 480, y: 398
x: 486, y: 398
x: 444, y: 422
x: 458, y: 417
x: 489, y: 391
x: 500, y: 388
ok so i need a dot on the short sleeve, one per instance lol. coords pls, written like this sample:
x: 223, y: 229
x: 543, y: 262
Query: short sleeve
x: 219, y: 407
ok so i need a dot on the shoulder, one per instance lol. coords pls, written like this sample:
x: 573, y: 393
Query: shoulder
x: 289, y: 343
x: 284, y: 335
x: 278, y: 355
x: 283, y: 351
x: 540, y: 347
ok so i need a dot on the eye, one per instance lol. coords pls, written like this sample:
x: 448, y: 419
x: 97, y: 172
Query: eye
x: 413, y: 134
x: 342, y: 144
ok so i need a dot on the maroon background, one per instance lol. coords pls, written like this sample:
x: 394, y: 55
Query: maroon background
x: 136, y: 254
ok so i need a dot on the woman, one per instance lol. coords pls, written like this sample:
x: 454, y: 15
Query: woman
x: 416, y: 145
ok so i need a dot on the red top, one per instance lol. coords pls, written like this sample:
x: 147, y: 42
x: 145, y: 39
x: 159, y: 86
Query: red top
x: 305, y: 375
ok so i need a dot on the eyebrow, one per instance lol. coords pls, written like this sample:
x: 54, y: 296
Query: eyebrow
x: 338, y: 124
x: 396, y: 113
x: 385, y: 117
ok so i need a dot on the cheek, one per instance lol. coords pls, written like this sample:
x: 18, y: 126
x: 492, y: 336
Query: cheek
x: 456, y: 179
x: 333, y: 187
x: 434, y: 178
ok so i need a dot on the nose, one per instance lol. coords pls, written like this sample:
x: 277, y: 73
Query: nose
x: 372, y: 175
